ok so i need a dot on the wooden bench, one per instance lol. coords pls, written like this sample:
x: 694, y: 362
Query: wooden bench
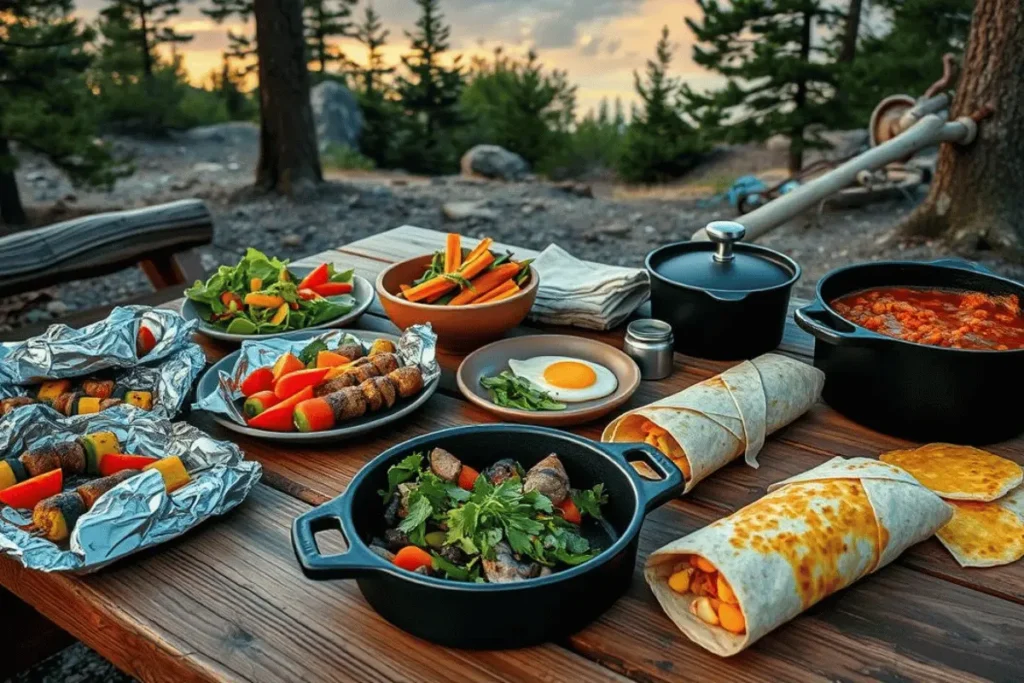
x: 162, y: 239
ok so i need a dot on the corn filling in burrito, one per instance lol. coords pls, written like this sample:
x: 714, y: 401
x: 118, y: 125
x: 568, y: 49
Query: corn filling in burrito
x: 728, y: 584
x: 666, y: 443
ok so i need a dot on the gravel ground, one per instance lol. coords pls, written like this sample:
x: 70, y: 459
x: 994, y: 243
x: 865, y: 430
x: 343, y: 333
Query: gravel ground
x: 615, y: 226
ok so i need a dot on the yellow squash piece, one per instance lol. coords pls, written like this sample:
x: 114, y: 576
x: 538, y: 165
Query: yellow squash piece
x: 48, y: 391
x: 139, y: 399
x: 88, y: 405
x: 7, y: 476
x: 96, y: 445
x: 172, y: 469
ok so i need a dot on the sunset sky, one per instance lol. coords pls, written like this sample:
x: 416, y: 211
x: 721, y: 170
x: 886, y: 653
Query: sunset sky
x: 600, y: 42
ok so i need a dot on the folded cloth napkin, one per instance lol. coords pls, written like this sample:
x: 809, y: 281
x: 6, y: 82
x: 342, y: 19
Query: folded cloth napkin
x: 588, y: 295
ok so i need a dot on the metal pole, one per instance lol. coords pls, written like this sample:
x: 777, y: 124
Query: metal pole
x: 931, y: 129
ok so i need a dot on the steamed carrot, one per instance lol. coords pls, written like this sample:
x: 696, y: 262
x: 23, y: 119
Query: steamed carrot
x: 485, y: 283
x: 512, y: 292
x: 485, y: 244
x: 435, y: 285
x: 453, y: 253
x: 473, y: 267
x: 505, y: 287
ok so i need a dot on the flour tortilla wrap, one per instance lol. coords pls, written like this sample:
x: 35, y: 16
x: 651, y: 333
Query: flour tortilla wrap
x: 812, y: 535
x: 728, y: 415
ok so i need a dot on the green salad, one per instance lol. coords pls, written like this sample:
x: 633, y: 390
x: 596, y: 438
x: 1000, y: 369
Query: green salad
x: 260, y: 295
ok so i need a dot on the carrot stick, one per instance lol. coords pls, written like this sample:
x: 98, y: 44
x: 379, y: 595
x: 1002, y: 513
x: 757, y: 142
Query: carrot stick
x: 435, y: 285
x: 453, y: 253
x: 504, y: 295
x: 470, y: 269
x: 404, y: 288
x: 485, y: 283
x: 506, y: 286
x: 484, y: 245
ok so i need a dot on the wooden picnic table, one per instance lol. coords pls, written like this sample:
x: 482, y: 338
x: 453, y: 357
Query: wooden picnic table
x: 228, y: 602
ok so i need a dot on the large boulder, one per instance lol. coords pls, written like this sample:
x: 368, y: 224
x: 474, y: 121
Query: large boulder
x: 339, y: 120
x: 492, y: 161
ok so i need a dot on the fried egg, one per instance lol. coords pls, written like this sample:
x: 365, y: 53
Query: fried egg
x: 569, y: 380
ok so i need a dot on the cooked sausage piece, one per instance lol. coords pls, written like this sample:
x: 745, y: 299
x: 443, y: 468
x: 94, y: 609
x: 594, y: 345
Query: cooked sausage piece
x: 351, y: 351
x: 56, y: 516
x: 9, y: 404
x: 548, y: 477
x: 444, y: 464
x: 408, y: 380
x: 40, y: 461
x: 347, y: 404
x: 98, y: 388
x: 385, y: 362
x: 379, y: 393
x: 337, y: 384
x: 362, y: 372
x: 91, y: 491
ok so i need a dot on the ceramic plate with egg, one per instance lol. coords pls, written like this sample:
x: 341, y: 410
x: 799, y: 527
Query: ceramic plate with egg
x: 587, y: 377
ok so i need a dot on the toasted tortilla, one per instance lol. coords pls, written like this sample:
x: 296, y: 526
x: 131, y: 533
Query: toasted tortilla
x: 728, y: 415
x: 986, y: 534
x: 811, y: 536
x: 959, y: 472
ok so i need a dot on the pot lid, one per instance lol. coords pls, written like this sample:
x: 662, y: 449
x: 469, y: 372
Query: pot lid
x: 725, y: 265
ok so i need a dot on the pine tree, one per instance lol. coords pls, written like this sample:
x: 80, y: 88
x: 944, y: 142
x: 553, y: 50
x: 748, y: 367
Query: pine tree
x: 324, y: 20
x: 227, y: 83
x: 620, y: 116
x: 602, y: 112
x: 146, y: 24
x: 381, y: 114
x: 781, y: 79
x: 371, y: 33
x: 659, y: 143
x: 430, y: 94
x: 45, y: 105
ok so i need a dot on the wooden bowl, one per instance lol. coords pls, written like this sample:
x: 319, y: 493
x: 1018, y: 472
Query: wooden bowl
x: 459, y: 329
x: 493, y: 358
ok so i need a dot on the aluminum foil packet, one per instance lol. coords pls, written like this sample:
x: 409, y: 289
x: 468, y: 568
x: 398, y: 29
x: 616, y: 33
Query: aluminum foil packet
x: 138, y: 513
x: 417, y: 345
x: 109, y: 347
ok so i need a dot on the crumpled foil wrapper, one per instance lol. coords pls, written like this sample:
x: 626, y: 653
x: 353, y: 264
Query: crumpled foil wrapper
x: 167, y: 371
x: 417, y: 345
x: 138, y: 513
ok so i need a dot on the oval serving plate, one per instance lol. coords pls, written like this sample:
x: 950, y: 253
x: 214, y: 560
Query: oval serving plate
x: 362, y: 292
x: 493, y: 358
x: 208, y: 384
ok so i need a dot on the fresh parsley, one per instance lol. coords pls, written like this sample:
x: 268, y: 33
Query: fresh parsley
x: 509, y: 391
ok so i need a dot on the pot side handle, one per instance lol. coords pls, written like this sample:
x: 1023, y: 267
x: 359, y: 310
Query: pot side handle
x: 654, y: 493
x: 354, y: 562
x: 818, y: 322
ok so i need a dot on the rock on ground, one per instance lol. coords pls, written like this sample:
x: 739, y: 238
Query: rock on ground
x: 339, y: 120
x: 492, y: 161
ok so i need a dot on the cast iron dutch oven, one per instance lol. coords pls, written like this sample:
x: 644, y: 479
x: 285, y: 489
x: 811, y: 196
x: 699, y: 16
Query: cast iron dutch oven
x: 916, y: 391
x: 492, y: 615
x: 724, y: 299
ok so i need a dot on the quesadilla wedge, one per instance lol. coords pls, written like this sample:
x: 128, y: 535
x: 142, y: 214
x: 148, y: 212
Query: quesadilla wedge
x: 958, y: 472
x: 986, y: 534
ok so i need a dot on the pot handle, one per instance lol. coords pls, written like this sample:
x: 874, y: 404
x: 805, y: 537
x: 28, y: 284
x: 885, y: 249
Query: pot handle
x: 818, y: 322
x: 654, y: 493
x: 354, y: 562
x: 962, y: 264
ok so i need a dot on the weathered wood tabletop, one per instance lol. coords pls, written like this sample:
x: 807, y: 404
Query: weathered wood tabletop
x: 228, y: 602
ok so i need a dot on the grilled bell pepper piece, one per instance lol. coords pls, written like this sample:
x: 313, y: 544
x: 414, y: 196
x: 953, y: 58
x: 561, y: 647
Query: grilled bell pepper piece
x: 333, y: 288
x: 259, y: 402
x: 56, y: 516
x: 279, y: 418
x: 286, y: 364
x: 294, y: 382
x: 27, y: 494
x: 330, y: 359
x: 145, y: 341
x: 113, y: 463
x: 173, y: 471
x: 260, y: 379
x: 49, y: 391
x: 99, y: 388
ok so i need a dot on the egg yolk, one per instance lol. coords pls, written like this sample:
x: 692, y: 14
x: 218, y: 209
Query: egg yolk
x: 568, y: 374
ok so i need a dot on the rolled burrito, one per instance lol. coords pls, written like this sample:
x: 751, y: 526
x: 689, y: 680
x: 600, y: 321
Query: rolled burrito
x: 710, y: 424
x: 735, y: 580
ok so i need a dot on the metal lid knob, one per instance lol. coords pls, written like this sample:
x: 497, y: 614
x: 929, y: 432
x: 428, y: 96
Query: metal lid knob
x: 724, y: 234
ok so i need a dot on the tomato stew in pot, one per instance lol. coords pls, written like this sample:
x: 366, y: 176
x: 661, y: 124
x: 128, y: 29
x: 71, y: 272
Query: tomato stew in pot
x: 937, y: 317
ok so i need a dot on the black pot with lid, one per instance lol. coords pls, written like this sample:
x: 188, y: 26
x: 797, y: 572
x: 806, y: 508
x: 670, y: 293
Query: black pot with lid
x: 725, y: 299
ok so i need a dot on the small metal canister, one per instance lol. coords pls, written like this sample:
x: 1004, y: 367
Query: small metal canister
x: 650, y: 343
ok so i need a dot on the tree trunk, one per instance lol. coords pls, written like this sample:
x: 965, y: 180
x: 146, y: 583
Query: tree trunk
x: 796, y: 135
x: 11, y: 210
x: 147, y: 57
x: 975, y: 200
x: 848, y: 48
x: 289, y: 160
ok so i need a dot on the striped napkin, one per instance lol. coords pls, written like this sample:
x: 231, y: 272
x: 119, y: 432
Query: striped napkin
x: 583, y: 294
